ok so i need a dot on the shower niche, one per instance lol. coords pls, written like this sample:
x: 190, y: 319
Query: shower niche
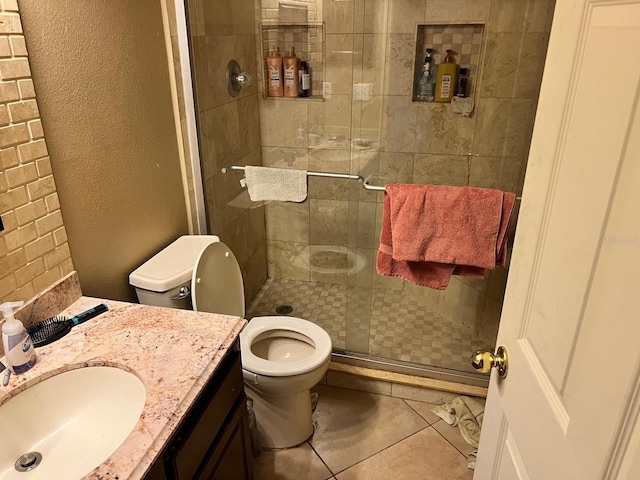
x: 466, y: 42
x: 308, y: 41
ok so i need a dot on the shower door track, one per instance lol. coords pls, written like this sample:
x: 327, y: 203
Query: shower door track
x: 407, y: 368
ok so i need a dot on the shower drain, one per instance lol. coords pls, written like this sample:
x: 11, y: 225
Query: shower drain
x: 284, y: 309
x: 28, y: 461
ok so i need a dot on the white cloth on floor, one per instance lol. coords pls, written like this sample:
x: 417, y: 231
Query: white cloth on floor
x: 467, y: 414
x: 283, y: 184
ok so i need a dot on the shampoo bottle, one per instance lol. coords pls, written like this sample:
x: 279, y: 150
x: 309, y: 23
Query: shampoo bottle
x: 291, y: 65
x: 447, y: 76
x: 463, y: 81
x: 304, y: 89
x: 18, y: 348
x: 274, y: 74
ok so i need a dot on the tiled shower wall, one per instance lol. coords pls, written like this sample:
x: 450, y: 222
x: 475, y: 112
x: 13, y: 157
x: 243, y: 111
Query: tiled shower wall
x: 373, y: 42
x: 34, y: 252
x: 229, y: 128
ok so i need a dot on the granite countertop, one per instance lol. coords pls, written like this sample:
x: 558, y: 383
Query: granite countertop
x: 174, y: 353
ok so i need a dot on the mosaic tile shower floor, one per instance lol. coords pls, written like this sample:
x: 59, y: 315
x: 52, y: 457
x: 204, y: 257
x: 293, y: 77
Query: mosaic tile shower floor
x: 400, y: 329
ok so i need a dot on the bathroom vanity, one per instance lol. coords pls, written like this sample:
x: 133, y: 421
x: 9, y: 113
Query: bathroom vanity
x: 212, y: 441
x: 194, y: 420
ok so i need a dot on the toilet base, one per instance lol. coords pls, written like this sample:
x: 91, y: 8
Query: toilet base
x: 281, y: 421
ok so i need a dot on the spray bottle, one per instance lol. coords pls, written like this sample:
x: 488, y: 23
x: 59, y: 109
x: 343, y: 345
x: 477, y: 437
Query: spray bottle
x: 18, y: 348
x: 426, y: 83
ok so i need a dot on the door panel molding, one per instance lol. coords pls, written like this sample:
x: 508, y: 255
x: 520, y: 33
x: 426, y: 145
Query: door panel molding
x: 546, y: 385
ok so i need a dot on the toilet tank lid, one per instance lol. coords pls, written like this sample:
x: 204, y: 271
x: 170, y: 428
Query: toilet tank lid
x: 173, y: 265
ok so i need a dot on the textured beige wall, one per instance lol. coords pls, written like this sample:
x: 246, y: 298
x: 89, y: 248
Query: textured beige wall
x: 34, y: 252
x: 100, y: 70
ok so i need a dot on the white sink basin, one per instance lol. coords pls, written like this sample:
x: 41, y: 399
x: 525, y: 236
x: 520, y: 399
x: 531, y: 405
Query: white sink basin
x: 75, y: 420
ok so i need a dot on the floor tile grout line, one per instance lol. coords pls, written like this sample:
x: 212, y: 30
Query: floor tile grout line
x: 379, y: 452
x: 432, y: 425
x: 428, y: 423
x: 450, y: 443
x: 320, y: 457
x: 398, y: 445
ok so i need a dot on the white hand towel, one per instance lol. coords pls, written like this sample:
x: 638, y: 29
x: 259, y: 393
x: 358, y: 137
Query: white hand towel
x: 283, y: 184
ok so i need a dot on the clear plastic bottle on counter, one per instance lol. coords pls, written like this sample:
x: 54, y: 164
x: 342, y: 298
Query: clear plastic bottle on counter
x: 18, y: 347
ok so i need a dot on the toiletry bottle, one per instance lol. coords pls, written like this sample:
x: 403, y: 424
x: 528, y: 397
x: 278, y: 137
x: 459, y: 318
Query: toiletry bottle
x: 447, y: 76
x: 305, y: 80
x: 290, y: 65
x: 463, y: 80
x: 274, y: 74
x: 18, y: 348
x: 424, y: 92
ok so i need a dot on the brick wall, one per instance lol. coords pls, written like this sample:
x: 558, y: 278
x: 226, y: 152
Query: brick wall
x: 34, y: 252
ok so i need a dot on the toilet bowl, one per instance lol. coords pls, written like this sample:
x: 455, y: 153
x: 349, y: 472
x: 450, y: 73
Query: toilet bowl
x: 282, y: 357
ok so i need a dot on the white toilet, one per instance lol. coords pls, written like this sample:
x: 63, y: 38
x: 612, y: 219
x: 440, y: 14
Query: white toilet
x: 282, y: 357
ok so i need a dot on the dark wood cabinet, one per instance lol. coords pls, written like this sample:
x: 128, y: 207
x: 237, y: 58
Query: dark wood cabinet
x: 212, y: 441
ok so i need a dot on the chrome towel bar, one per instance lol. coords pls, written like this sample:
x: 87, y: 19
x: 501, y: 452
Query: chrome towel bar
x: 361, y: 180
x: 347, y: 176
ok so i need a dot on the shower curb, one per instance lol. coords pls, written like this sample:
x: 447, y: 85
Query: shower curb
x: 393, y: 378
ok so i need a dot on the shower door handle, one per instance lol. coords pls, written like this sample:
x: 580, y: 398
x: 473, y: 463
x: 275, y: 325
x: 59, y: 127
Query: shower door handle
x: 485, y: 361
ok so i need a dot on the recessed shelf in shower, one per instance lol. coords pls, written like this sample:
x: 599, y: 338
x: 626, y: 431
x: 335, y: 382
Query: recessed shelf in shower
x: 308, y: 41
x: 466, y: 41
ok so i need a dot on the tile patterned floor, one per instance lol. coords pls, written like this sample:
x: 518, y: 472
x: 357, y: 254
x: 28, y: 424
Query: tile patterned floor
x: 399, y: 329
x: 356, y: 439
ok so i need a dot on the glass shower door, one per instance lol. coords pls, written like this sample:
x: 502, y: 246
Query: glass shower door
x: 396, y: 139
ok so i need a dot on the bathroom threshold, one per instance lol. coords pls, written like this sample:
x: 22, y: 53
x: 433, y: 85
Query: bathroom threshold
x: 409, y: 374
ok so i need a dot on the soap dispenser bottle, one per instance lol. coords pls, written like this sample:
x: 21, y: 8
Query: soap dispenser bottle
x: 18, y: 347
x: 424, y: 91
x: 447, y: 76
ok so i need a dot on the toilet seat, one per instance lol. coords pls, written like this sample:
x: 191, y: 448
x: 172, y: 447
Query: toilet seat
x: 216, y: 282
x: 216, y: 286
x: 260, y: 325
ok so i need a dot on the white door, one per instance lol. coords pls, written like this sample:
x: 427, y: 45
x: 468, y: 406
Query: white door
x: 569, y: 406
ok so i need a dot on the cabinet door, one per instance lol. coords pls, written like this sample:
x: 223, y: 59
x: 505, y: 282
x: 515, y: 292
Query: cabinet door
x: 209, y: 417
x: 157, y: 471
x: 231, y: 457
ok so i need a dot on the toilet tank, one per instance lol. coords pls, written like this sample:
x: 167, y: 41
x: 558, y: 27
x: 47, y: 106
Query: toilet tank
x: 165, y: 279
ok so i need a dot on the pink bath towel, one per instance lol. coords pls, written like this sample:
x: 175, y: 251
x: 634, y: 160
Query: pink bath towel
x: 430, y: 232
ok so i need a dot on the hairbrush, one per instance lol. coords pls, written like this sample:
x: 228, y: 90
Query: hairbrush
x: 52, y: 329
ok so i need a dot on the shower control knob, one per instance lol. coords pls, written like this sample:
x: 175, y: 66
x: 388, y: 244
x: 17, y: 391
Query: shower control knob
x: 485, y: 361
x: 236, y: 79
x: 243, y: 79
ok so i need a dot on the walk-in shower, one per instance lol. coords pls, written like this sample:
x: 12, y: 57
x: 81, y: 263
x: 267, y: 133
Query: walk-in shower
x: 362, y: 120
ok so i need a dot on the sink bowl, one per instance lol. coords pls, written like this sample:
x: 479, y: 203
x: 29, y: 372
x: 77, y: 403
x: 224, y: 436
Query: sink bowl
x: 68, y: 424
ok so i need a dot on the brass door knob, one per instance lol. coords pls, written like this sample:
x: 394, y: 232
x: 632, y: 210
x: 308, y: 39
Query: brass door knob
x: 485, y: 361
